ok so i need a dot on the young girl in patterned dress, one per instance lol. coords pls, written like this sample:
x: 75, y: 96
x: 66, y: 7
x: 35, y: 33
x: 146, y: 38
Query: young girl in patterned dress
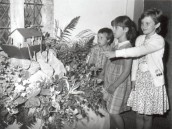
x: 104, y: 40
x: 148, y: 96
x: 117, y: 83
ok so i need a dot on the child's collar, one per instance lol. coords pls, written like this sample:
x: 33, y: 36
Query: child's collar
x: 150, y: 36
x: 123, y: 43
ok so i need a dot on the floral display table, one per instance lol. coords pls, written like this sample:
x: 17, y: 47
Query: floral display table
x: 54, y: 90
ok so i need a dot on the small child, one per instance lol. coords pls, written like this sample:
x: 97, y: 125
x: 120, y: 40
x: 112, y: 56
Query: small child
x: 104, y: 40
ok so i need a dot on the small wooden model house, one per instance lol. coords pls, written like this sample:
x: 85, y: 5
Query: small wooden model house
x: 23, y: 36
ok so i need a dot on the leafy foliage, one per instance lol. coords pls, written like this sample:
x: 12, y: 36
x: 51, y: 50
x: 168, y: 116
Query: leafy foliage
x: 59, y: 101
x: 66, y: 32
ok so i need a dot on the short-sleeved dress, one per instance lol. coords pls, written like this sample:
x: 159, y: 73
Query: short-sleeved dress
x: 146, y: 98
x: 117, y: 102
x: 96, y: 56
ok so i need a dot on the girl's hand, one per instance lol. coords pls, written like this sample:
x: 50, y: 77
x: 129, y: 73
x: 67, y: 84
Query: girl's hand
x: 99, y: 80
x: 101, y: 76
x: 133, y: 83
x: 109, y: 54
x: 106, y: 95
x: 111, y: 89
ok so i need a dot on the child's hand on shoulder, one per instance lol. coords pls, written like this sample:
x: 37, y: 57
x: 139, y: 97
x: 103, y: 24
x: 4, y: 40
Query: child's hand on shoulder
x: 101, y: 76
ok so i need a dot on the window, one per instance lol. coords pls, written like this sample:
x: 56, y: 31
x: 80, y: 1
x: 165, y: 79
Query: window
x: 32, y: 13
x: 4, y: 20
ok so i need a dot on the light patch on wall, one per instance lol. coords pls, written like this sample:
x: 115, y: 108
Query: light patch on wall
x: 95, y: 14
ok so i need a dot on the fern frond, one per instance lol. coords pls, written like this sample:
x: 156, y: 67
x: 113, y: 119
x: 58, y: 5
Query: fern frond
x: 89, y: 43
x: 71, y: 26
x: 85, y: 34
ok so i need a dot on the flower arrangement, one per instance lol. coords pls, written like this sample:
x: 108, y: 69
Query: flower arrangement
x: 55, y: 99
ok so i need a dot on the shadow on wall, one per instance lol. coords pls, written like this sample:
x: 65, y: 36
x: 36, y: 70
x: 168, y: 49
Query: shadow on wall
x: 164, y: 32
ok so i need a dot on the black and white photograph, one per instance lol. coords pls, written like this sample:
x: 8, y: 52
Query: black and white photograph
x: 85, y: 64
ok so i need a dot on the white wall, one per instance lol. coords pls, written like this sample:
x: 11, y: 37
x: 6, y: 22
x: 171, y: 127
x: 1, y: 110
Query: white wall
x: 48, y: 16
x: 17, y: 14
x: 95, y: 14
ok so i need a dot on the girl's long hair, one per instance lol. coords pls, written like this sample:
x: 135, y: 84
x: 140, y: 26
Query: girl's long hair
x: 125, y: 21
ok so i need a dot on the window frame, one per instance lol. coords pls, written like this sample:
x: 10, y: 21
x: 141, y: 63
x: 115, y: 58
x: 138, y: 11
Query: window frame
x: 35, y: 4
x: 7, y: 27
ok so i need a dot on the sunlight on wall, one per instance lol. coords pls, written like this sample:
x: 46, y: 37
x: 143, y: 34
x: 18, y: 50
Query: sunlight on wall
x: 95, y: 14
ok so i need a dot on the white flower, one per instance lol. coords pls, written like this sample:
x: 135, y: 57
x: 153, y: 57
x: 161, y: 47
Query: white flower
x: 67, y: 84
x: 75, y: 111
x: 23, y: 94
x: 56, y: 105
x: 38, y: 84
x: 50, y: 119
x: 19, y: 80
x: 25, y: 82
x: 88, y: 75
x: 19, y: 88
x: 99, y: 80
x: 67, y: 68
x: 52, y: 89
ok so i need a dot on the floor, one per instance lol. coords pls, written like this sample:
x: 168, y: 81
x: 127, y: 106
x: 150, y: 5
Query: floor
x: 159, y: 122
x: 95, y: 122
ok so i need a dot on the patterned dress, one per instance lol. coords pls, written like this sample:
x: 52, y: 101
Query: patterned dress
x: 117, y: 102
x: 96, y: 56
x: 145, y: 98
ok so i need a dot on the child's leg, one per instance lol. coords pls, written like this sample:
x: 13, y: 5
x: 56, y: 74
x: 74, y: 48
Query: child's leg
x: 147, y: 122
x: 139, y: 121
x: 116, y: 121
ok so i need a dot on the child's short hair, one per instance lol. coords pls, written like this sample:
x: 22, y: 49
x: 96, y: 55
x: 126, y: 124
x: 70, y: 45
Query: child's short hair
x: 155, y: 14
x: 109, y: 33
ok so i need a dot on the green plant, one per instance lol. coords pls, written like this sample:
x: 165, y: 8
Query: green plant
x: 61, y: 100
x: 62, y: 35
x: 63, y: 42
